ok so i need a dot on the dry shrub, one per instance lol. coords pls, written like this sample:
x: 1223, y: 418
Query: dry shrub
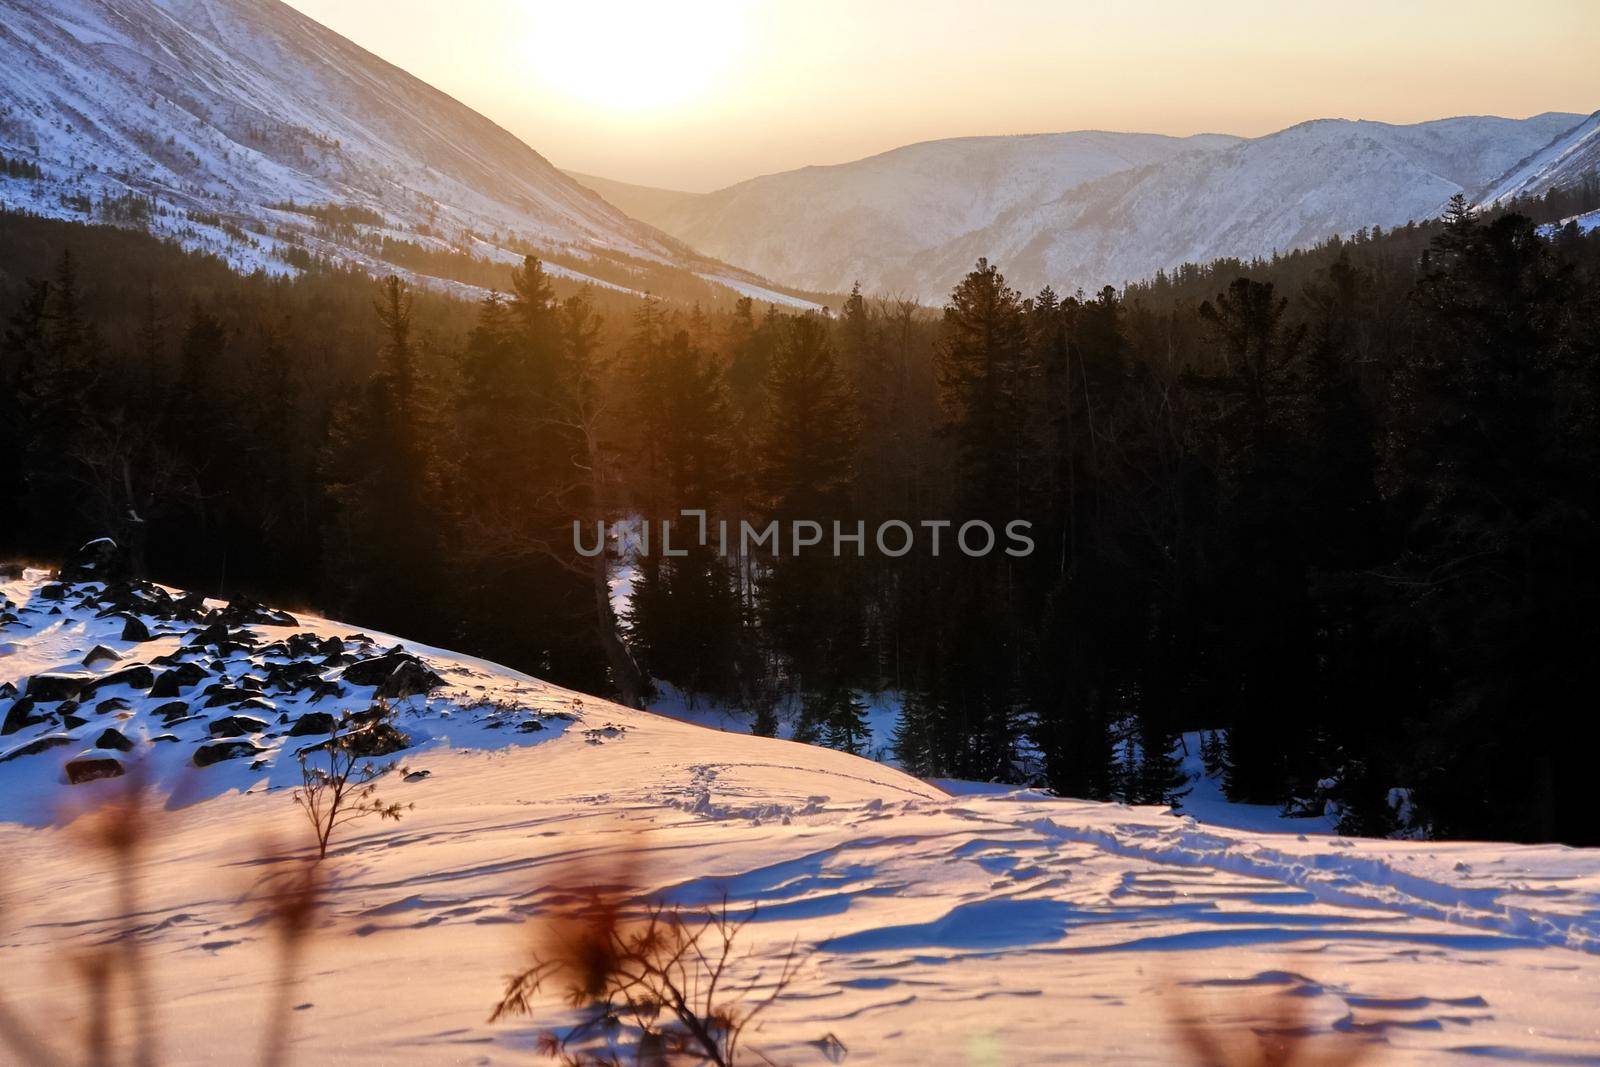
x: 344, y: 787
x: 1280, y: 1036
x: 115, y: 978
x: 660, y: 976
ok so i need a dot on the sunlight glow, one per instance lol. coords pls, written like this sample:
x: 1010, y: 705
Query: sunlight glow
x: 636, y: 55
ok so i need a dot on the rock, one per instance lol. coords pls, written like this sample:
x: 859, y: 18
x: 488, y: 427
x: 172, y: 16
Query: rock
x: 417, y: 776
x: 529, y: 726
x: 379, y: 739
x: 289, y: 677
x: 101, y: 560
x: 34, y: 747
x: 7, y: 690
x: 113, y: 738
x: 221, y: 695
x: 72, y: 722
x: 224, y: 639
x: 93, y: 768
x: 217, y: 751
x: 49, y: 687
x: 172, y: 709
x: 244, y: 612
x: 397, y: 675
x: 175, y: 678
x: 324, y: 688
x: 164, y: 739
x: 20, y: 716
x: 312, y: 722
x: 139, y: 676
x: 53, y: 592
x: 110, y: 704
x: 101, y: 654
x: 235, y: 726
x: 134, y: 629
x: 191, y: 606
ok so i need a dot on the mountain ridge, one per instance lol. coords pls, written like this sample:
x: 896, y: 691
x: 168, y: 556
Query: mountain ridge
x: 220, y: 123
x: 820, y: 227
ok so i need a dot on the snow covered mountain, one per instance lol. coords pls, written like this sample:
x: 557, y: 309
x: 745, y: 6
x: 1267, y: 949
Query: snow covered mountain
x: 873, y: 220
x: 990, y: 927
x: 245, y: 128
x: 1090, y: 209
x: 1565, y: 161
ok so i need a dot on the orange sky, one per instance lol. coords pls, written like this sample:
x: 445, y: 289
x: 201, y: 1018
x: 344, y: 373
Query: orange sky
x: 695, y: 94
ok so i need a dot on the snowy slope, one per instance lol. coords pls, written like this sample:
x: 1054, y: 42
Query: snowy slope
x: 1092, y: 209
x: 1565, y: 161
x: 222, y: 116
x: 868, y: 219
x: 997, y: 929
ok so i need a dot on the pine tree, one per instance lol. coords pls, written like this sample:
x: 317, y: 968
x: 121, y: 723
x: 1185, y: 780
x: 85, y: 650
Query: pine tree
x: 384, y: 472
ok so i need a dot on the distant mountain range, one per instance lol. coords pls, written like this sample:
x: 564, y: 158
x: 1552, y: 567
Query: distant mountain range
x: 244, y: 128
x: 1090, y: 209
x: 235, y: 125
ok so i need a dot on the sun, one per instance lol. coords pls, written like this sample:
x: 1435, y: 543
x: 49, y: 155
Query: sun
x: 635, y: 55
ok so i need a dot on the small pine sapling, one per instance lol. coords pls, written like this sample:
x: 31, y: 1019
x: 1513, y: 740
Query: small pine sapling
x: 338, y: 778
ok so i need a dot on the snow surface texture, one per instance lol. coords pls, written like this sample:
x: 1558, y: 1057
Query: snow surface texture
x: 214, y: 114
x: 1092, y: 208
x: 1003, y: 928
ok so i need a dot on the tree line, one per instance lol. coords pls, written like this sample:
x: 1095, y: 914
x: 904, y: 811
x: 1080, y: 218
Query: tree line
x: 1337, y: 507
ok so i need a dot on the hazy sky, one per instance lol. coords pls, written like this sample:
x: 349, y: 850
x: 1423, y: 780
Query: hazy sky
x: 695, y: 94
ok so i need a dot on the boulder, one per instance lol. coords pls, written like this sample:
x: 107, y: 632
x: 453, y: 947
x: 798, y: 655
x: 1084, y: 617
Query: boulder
x: 397, y: 675
x: 113, y: 738
x: 378, y: 739
x: 217, y: 751
x: 236, y: 726
x: 134, y: 629
x: 221, y: 695
x: 164, y: 739
x: 111, y: 704
x: 312, y: 723
x: 101, y: 654
x: 20, y: 716
x: 50, y: 687
x: 139, y: 676
x: 93, y: 768
x: 191, y: 606
x: 38, y: 745
x: 244, y: 612
x: 324, y: 688
x: 53, y: 592
x: 175, y: 678
x: 70, y: 721
x: 172, y: 709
